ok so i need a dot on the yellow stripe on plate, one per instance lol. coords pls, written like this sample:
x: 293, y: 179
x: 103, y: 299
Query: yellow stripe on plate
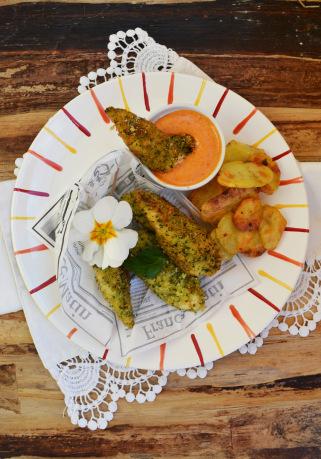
x: 52, y: 310
x: 128, y: 362
x: 210, y: 328
x: 21, y: 217
x: 266, y: 136
x: 200, y: 93
x: 123, y: 94
x: 274, y: 279
x: 284, y: 206
x: 59, y: 139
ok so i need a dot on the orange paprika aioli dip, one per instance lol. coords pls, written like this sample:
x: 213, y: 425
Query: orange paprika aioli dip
x: 199, y: 164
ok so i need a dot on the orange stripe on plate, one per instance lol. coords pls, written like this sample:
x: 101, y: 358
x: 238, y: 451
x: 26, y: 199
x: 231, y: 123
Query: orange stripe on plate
x: 210, y: 328
x: 162, y: 349
x: 72, y: 332
x: 242, y: 322
x: 36, y: 248
x: 285, y: 258
x: 291, y: 181
x: 170, y: 96
x: 99, y: 106
x: 241, y: 125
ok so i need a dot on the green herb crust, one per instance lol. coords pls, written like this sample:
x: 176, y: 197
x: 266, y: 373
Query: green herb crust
x: 185, y: 243
x: 155, y: 149
x: 114, y: 286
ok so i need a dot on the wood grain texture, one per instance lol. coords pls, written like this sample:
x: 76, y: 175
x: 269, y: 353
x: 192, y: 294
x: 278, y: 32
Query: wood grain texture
x: 262, y: 407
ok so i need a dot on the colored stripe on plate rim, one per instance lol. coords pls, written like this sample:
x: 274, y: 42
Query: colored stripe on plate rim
x: 170, y: 96
x: 60, y: 140
x: 197, y: 349
x: 220, y: 102
x: 80, y: 126
x: 128, y: 362
x: 22, y: 217
x: 266, y: 136
x: 277, y: 281
x: 242, y: 322
x: 45, y: 284
x: 290, y: 206
x: 296, y: 230
x: 53, y: 310
x: 200, y: 93
x: 162, y: 350
x: 72, y: 332
x: 42, y: 194
x: 275, y: 254
x: 100, y: 108
x: 36, y: 248
x: 121, y: 87
x: 262, y: 298
x: 146, y: 98
x: 47, y: 161
x: 105, y: 354
x: 281, y: 155
x: 243, y: 123
x: 291, y: 181
x: 210, y: 328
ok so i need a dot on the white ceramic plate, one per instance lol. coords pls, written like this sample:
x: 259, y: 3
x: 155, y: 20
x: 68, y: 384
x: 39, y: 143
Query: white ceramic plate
x: 79, y: 134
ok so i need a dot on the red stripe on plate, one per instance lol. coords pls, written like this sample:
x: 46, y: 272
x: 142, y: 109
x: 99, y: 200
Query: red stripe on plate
x: 105, y: 353
x: 47, y: 161
x: 146, y: 98
x: 32, y: 192
x: 43, y: 285
x: 219, y: 103
x: 298, y: 230
x: 291, y: 181
x: 76, y: 122
x: 262, y: 298
x: 275, y: 158
x: 197, y: 348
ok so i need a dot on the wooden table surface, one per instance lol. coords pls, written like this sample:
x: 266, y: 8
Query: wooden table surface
x: 267, y: 406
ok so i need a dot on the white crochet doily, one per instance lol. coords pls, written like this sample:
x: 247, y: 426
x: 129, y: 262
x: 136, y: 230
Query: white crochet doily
x: 91, y: 386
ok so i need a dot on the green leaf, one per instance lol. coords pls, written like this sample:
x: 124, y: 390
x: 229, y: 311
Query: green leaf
x: 147, y: 263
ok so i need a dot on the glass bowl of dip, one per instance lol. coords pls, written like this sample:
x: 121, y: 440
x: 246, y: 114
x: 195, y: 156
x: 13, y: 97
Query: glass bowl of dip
x: 203, y: 164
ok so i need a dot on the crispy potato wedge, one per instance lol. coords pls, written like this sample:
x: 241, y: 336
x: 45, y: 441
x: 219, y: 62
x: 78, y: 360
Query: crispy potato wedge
x: 227, y: 234
x: 272, y: 226
x: 237, y: 174
x: 214, y: 209
x: 250, y: 243
x: 237, y: 151
x: 201, y: 195
x: 248, y: 215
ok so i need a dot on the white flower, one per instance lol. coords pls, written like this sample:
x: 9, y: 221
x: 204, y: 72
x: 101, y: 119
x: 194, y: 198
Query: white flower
x: 104, y: 233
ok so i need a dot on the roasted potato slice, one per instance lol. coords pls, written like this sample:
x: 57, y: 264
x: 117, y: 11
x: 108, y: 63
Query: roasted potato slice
x: 201, y: 195
x: 214, y: 209
x: 222, y: 252
x: 272, y: 186
x: 237, y: 174
x: 261, y: 158
x: 272, y: 226
x: 237, y: 151
x: 250, y: 243
x: 248, y: 215
x: 227, y: 234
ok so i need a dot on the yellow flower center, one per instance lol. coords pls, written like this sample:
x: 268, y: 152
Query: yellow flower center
x: 102, y: 232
